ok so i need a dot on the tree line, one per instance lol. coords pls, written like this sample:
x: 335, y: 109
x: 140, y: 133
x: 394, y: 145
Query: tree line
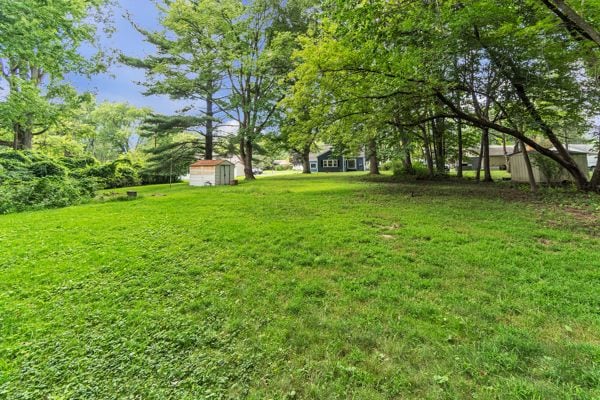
x: 422, y: 74
x: 405, y: 80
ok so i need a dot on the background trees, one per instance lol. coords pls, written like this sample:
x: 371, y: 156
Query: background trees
x: 38, y: 45
x: 415, y: 82
x: 431, y: 69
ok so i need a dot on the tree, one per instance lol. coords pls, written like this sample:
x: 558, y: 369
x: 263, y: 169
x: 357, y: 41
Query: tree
x: 580, y: 29
x: 38, y: 46
x: 170, y: 160
x: 117, y: 129
x: 188, y: 65
x: 406, y: 51
x: 258, y: 59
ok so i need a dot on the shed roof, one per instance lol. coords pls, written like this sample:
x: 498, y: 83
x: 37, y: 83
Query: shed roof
x: 209, y: 163
x: 495, y: 150
x: 552, y: 149
x: 585, y: 148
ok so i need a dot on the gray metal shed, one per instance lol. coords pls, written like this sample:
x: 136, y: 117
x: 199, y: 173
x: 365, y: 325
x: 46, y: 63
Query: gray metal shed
x: 518, y: 168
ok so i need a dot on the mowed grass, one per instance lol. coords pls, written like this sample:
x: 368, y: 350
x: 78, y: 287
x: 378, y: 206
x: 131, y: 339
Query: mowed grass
x: 294, y: 287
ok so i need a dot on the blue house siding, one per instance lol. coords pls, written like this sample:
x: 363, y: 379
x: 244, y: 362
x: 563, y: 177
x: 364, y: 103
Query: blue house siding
x: 343, y: 163
x: 329, y: 156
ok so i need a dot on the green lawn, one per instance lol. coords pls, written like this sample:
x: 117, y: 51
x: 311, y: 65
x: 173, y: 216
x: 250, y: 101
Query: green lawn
x: 322, y: 287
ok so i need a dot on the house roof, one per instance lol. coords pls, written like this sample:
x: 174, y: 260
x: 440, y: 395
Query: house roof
x: 495, y: 150
x: 209, y: 163
x: 326, y: 148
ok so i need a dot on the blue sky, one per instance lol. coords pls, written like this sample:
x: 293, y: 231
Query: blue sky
x: 118, y: 85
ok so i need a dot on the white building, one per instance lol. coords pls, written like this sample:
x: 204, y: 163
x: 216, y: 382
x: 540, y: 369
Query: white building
x: 212, y: 173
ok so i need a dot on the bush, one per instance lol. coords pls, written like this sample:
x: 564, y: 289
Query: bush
x: 419, y: 170
x: 152, y: 177
x: 44, y: 168
x: 387, y: 166
x: 14, y: 165
x: 117, y: 174
x: 45, y: 192
x: 80, y: 162
x: 33, y: 181
x: 549, y: 168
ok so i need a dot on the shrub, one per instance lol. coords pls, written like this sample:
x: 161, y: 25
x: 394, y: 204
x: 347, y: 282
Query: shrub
x: 46, y: 192
x: 15, y: 165
x: 44, y: 168
x: 32, y: 181
x: 549, y: 168
x: 80, y: 162
x: 152, y: 177
x: 419, y: 170
x: 387, y: 166
x: 117, y: 174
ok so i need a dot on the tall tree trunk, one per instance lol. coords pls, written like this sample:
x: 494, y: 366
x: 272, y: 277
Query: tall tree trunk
x: 246, y: 151
x: 487, y: 173
x: 459, y: 167
x: 23, y: 138
x: 427, y: 151
x: 506, y: 157
x: 306, y: 160
x: 595, y: 181
x: 373, y: 161
x: 530, y: 176
x: 208, y: 138
x: 407, y: 159
x: 479, y: 160
x: 437, y: 130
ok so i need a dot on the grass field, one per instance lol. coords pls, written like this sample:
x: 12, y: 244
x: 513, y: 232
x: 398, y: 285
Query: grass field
x: 293, y: 287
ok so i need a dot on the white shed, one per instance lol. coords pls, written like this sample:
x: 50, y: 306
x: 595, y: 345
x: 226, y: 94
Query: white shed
x: 211, y: 173
x: 518, y: 168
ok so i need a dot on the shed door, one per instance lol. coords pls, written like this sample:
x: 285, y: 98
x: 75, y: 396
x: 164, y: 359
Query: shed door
x: 226, y: 174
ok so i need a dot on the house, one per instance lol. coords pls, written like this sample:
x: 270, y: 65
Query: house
x: 239, y: 165
x: 519, y: 167
x: 212, y: 173
x: 591, y: 151
x: 327, y: 160
x: 497, y: 158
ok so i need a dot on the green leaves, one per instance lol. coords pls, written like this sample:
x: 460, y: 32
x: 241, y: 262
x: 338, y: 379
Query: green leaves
x: 39, y: 43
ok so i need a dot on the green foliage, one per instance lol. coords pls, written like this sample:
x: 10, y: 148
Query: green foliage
x: 407, y: 71
x: 81, y: 162
x: 45, y: 168
x: 38, y: 46
x: 117, y: 129
x: 115, y: 174
x: 168, y: 162
x: 418, y: 171
x: 32, y: 181
x: 550, y: 170
x: 45, y: 192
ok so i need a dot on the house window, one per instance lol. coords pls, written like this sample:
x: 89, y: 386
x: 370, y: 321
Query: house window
x: 313, y: 165
x: 330, y: 163
x: 351, y: 164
